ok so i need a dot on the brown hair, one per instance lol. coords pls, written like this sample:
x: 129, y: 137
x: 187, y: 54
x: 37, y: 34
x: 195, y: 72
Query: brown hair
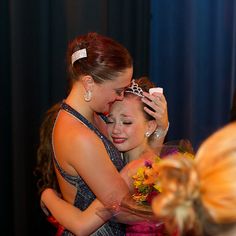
x: 145, y: 84
x: 45, y: 169
x: 105, y: 58
x: 201, y: 195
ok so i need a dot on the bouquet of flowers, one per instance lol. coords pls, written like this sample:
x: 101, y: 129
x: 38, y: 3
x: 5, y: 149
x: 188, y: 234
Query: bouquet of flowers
x: 146, y: 180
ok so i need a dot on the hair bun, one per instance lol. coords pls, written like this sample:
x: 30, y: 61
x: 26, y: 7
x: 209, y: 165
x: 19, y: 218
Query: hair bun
x: 180, y: 188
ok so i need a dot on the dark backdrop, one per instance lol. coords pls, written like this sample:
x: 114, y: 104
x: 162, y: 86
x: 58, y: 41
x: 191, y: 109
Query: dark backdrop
x: 185, y: 46
x: 193, y: 52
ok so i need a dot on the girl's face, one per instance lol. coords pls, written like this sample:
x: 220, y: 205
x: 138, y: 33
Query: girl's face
x: 127, y: 125
x: 107, y: 93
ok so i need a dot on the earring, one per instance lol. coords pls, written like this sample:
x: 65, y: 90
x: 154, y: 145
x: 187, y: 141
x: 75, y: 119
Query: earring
x: 147, y: 134
x: 88, y: 96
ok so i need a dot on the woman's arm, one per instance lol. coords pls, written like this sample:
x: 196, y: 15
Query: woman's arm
x: 105, y: 181
x: 158, y: 103
x: 83, y: 152
x: 97, y: 170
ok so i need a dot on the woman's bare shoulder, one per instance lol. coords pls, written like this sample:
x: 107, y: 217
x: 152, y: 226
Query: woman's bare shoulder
x: 73, y: 140
x: 76, y: 138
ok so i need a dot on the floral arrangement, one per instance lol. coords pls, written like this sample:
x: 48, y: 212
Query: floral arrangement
x: 146, y: 180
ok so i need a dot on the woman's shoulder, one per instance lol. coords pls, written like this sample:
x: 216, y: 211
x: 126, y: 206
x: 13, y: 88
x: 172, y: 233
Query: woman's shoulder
x: 71, y: 127
x: 72, y: 134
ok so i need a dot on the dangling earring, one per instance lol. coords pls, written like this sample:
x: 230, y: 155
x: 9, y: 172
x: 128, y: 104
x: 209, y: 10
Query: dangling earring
x: 88, y: 96
x: 147, y: 134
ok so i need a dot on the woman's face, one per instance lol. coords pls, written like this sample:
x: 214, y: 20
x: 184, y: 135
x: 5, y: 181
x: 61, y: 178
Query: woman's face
x: 107, y: 93
x: 127, y: 125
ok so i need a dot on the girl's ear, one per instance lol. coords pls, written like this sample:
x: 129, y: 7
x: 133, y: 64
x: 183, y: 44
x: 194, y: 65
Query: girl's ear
x: 152, y: 125
x: 88, y: 82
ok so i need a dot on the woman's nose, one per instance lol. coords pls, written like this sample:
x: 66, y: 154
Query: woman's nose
x: 120, y: 97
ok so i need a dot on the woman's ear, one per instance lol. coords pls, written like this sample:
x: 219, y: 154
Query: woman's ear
x: 88, y: 83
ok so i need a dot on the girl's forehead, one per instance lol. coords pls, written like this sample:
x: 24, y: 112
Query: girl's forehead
x: 126, y: 106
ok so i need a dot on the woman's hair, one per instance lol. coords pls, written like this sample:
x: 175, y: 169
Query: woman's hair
x: 200, y: 195
x: 45, y: 169
x: 103, y: 58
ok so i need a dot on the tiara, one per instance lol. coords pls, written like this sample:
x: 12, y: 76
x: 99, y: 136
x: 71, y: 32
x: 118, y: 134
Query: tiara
x: 135, y: 89
x: 81, y: 53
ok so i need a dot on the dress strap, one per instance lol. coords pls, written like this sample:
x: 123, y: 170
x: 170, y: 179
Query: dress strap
x: 69, y: 178
x: 80, y: 117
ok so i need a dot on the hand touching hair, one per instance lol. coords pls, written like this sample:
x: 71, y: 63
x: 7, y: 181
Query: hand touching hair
x: 200, y: 195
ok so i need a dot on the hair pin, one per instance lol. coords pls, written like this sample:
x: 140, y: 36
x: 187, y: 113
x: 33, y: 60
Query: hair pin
x: 81, y: 53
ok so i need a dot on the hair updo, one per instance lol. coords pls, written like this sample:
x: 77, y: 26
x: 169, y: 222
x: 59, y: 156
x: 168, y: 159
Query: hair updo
x: 105, y: 58
x: 200, y: 195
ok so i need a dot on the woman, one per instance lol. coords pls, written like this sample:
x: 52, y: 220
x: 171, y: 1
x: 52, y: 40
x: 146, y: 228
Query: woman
x: 97, y: 66
x: 130, y: 128
x: 99, y: 69
x: 199, y: 197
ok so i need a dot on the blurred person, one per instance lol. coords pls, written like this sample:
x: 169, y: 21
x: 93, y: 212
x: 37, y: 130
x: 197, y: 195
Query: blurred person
x: 199, y: 197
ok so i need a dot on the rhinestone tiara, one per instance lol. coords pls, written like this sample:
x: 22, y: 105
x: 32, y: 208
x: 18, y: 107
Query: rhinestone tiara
x: 135, y: 89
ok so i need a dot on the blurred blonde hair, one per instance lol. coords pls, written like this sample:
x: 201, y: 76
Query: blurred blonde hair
x: 200, y: 195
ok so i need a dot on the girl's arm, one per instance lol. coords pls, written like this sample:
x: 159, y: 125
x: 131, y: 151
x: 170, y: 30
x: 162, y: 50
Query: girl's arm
x: 76, y: 221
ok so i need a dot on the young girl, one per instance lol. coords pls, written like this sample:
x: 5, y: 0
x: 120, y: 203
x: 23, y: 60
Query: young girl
x: 131, y: 129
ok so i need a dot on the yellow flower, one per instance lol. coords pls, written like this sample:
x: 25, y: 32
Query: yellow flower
x: 146, y: 180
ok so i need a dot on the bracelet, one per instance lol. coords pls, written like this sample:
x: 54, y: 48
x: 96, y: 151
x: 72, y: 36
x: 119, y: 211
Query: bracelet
x: 160, y: 133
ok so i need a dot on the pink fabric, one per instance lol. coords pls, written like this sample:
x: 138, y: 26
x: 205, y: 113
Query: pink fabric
x: 145, y: 228
x: 60, y: 228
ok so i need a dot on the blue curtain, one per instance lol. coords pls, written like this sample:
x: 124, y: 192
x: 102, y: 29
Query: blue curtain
x: 192, y: 56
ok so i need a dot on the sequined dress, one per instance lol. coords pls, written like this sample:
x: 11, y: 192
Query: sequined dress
x: 84, y: 196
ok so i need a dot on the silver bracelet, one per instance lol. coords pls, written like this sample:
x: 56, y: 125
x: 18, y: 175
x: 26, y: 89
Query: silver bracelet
x: 160, y: 133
